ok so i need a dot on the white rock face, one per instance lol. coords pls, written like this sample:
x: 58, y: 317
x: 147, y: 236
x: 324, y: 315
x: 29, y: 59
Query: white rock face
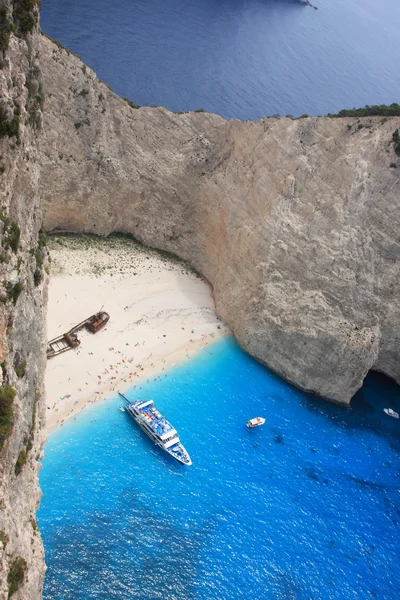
x: 294, y: 222
x: 22, y: 321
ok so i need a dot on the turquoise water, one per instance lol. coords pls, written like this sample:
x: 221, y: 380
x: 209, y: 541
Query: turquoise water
x: 306, y: 506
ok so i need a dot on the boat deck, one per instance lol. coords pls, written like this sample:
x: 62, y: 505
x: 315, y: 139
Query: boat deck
x: 145, y: 411
x: 157, y: 422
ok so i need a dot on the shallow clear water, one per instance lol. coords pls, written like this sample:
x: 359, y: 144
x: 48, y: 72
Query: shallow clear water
x: 239, y: 58
x: 306, y: 506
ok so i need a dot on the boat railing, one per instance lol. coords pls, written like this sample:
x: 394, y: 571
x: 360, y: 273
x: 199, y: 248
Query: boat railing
x: 171, y: 443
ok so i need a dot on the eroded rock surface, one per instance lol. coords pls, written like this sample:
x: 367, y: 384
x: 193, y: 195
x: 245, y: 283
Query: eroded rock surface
x: 294, y: 222
x: 23, y: 260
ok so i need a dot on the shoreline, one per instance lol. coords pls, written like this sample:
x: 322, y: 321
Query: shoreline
x: 68, y: 411
x: 161, y: 313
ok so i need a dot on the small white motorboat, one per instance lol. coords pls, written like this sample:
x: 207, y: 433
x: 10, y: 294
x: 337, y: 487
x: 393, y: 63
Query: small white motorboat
x: 256, y: 422
x: 391, y: 413
x: 121, y: 408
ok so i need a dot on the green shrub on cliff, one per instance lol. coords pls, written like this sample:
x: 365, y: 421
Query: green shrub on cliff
x: 14, y: 290
x: 8, y: 127
x: 20, y: 367
x: 5, y: 28
x: 21, y: 21
x: 131, y: 104
x: 7, y: 395
x: 13, y: 235
x: 396, y: 140
x: 25, y: 17
x: 21, y: 461
x: 16, y: 574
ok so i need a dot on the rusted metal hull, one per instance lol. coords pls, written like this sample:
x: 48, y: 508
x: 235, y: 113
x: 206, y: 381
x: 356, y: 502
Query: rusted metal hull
x: 97, y: 321
x: 69, y: 340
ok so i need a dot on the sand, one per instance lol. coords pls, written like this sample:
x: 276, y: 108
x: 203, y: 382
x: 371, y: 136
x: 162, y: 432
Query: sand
x: 161, y: 313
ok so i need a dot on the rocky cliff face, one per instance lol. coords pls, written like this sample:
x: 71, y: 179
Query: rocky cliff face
x: 294, y: 222
x: 22, y: 304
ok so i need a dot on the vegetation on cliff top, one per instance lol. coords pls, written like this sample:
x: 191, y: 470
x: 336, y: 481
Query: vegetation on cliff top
x: 20, y: 21
x: 377, y: 110
x: 25, y: 16
x: 131, y: 103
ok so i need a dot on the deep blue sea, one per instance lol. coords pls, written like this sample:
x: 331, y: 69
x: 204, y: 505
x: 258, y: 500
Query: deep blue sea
x: 305, y: 507
x: 239, y: 58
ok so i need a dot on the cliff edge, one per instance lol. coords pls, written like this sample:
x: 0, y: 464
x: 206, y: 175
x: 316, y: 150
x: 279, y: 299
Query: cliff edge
x: 295, y: 223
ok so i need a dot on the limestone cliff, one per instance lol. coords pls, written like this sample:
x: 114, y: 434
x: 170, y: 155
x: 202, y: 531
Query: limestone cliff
x: 22, y: 304
x: 294, y: 222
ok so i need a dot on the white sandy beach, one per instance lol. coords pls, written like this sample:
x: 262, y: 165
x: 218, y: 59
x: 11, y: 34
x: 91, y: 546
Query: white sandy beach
x: 160, y: 314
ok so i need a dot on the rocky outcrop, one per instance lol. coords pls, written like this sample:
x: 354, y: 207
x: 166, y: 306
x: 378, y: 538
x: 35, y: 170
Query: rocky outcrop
x: 22, y: 304
x: 294, y: 222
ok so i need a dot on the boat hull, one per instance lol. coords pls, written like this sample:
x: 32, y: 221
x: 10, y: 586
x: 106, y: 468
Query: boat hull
x: 256, y: 422
x: 154, y: 439
x: 183, y: 458
x: 391, y: 413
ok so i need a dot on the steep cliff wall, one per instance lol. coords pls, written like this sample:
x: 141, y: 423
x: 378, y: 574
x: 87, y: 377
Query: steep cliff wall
x: 22, y: 304
x: 294, y: 222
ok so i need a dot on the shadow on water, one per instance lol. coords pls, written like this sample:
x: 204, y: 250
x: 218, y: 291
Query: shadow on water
x: 87, y: 551
x: 366, y: 408
x: 368, y: 484
x: 286, y: 587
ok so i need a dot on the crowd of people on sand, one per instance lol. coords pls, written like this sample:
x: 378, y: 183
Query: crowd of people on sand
x: 127, y: 363
x: 113, y: 375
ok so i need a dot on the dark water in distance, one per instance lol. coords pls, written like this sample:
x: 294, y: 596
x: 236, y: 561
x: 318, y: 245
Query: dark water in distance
x: 238, y: 58
x: 306, y: 507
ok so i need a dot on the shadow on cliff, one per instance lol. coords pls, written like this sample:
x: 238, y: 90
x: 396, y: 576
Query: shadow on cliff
x: 366, y: 408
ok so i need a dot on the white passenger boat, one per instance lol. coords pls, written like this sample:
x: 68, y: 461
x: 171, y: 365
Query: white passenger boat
x: 391, y: 413
x: 157, y: 428
x: 256, y: 422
